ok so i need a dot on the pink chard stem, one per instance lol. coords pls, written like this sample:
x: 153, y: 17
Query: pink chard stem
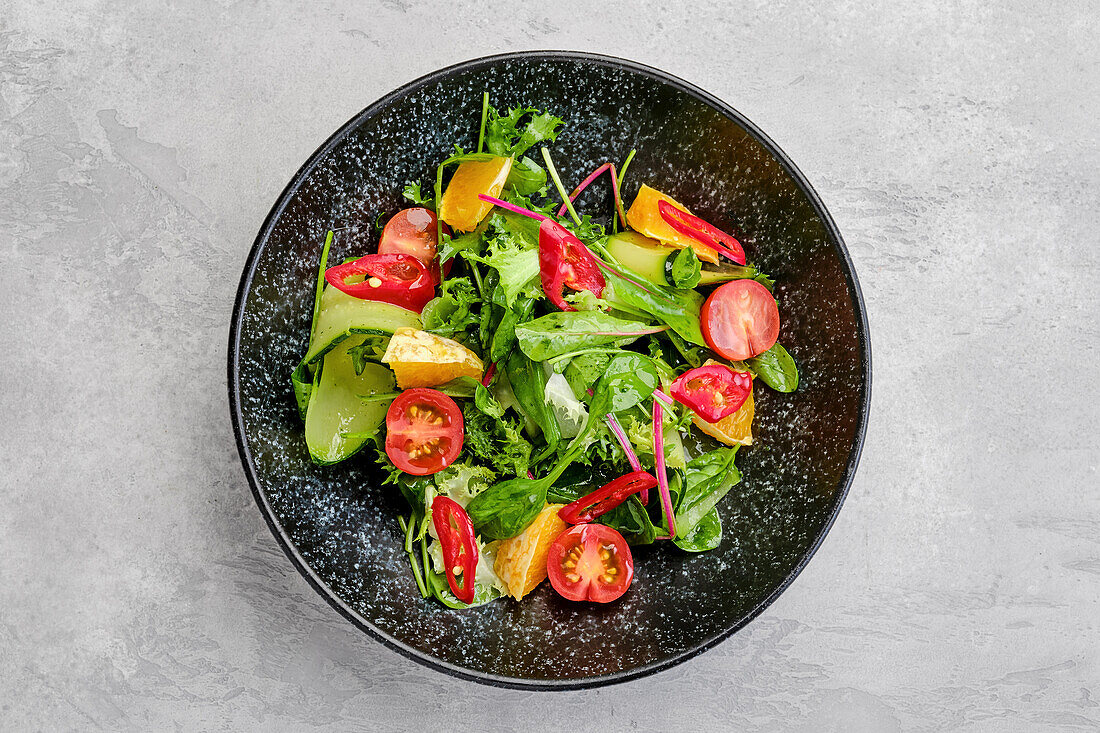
x: 659, y: 461
x: 512, y: 207
x: 584, y: 184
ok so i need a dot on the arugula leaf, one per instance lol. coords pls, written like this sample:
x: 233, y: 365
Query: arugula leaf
x: 709, y: 478
x: 515, y: 133
x: 413, y: 193
x: 776, y: 367
x: 707, y: 534
x: 559, y: 333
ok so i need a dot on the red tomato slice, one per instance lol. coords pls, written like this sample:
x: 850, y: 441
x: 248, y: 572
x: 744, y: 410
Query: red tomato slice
x: 424, y: 431
x: 413, y: 232
x: 740, y: 320
x: 713, y: 392
x: 590, y: 562
x: 564, y: 261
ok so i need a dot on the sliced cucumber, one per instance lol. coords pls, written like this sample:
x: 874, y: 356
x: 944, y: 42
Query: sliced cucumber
x: 342, y: 315
x: 641, y: 254
x: 338, y: 423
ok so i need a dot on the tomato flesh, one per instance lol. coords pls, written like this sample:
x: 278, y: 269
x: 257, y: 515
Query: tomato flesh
x: 413, y: 232
x: 424, y: 431
x: 564, y: 262
x: 712, y: 392
x: 456, y: 537
x: 740, y: 320
x: 590, y: 562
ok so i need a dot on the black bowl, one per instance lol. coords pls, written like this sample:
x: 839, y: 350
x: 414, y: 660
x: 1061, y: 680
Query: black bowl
x: 339, y: 525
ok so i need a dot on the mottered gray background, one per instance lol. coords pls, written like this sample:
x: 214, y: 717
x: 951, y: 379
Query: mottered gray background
x: 141, y: 146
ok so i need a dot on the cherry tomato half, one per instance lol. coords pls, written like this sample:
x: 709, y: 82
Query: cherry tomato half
x: 413, y: 232
x: 590, y: 562
x: 713, y: 392
x: 606, y: 498
x: 702, y: 231
x: 456, y: 536
x: 424, y: 431
x: 399, y: 279
x: 564, y: 261
x: 740, y: 320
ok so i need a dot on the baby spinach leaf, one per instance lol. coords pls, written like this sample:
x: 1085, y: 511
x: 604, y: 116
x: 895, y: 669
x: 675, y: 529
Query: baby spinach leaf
x: 559, y: 333
x: 680, y: 309
x: 706, y: 535
x: 684, y: 268
x: 709, y: 477
x: 629, y: 379
x: 632, y: 521
x: 504, y: 338
x: 507, y: 508
x: 776, y: 367
x: 528, y: 382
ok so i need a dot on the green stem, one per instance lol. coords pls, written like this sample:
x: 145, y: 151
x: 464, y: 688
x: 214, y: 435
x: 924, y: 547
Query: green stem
x: 409, y: 534
x: 557, y: 184
x: 484, y: 117
x: 622, y: 175
x: 320, y: 283
x: 580, y: 352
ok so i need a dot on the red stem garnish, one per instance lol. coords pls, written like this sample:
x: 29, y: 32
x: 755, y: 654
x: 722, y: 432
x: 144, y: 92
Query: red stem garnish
x: 489, y: 374
x: 512, y: 207
x: 659, y: 461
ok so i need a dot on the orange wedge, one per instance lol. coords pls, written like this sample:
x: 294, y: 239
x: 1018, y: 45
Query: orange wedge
x: 460, y: 206
x: 645, y: 217
x: 735, y: 429
x: 521, y: 560
x: 422, y: 359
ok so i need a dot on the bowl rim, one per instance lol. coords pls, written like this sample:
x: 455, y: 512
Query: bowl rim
x: 233, y: 373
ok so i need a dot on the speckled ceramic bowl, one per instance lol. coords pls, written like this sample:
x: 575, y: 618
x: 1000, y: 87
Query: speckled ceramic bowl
x: 339, y: 526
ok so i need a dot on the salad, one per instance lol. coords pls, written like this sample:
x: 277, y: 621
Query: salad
x: 546, y: 388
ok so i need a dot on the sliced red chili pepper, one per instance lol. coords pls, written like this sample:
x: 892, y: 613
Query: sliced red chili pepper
x: 400, y: 279
x: 702, y: 231
x: 564, y: 261
x: 713, y: 392
x: 603, y: 500
x: 456, y: 535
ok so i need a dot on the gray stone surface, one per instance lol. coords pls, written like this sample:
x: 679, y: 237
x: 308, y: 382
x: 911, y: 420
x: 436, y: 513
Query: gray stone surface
x: 956, y: 146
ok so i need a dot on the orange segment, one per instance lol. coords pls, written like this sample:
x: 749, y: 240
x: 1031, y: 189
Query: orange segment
x: 645, y: 217
x: 460, y: 207
x: 422, y: 359
x: 521, y: 560
x: 735, y: 429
